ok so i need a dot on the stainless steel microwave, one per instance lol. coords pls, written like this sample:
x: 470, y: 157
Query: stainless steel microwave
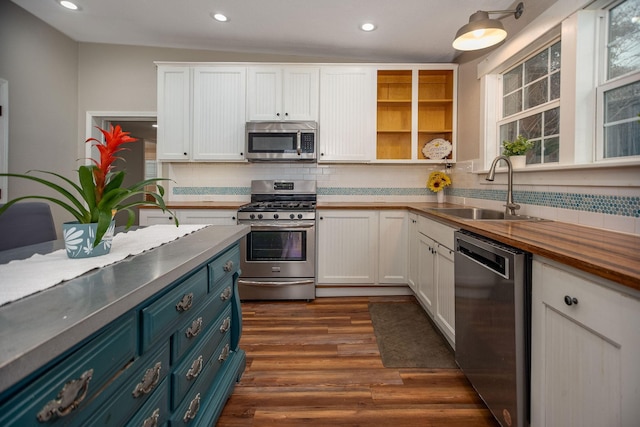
x: 281, y: 141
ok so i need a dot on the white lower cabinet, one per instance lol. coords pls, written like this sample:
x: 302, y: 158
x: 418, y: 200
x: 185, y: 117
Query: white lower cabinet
x: 393, y: 262
x: 435, y: 275
x: 154, y: 217
x: 426, y: 273
x: 189, y: 216
x: 413, y: 252
x: 347, y: 246
x: 585, y: 347
x: 208, y: 216
x: 445, y: 293
x: 363, y: 247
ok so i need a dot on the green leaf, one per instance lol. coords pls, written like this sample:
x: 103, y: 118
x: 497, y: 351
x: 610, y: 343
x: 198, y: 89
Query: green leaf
x: 85, y: 175
x: 80, y: 212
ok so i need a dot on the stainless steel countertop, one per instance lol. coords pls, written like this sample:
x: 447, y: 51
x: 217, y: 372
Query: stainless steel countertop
x: 38, y: 328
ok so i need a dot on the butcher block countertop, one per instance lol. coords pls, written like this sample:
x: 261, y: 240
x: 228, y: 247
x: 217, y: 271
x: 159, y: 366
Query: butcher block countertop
x: 604, y: 253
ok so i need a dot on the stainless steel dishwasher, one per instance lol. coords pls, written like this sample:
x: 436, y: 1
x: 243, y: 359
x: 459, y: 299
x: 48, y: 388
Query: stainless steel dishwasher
x: 493, y: 324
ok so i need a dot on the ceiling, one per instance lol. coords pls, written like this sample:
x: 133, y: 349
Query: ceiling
x: 407, y: 30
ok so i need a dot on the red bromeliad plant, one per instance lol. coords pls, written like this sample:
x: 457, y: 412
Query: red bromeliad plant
x: 101, y: 194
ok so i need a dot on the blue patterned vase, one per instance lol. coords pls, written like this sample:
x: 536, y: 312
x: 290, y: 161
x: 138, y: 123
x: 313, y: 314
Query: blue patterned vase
x: 79, y: 238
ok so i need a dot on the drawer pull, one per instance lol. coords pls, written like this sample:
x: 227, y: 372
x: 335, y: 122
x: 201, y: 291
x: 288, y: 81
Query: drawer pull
x: 226, y: 324
x: 228, y: 266
x: 224, y: 354
x: 185, y: 303
x: 152, y: 421
x: 196, y: 368
x: 226, y: 294
x: 192, y: 411
x: 68, y: 399
x: 195, y: 328
x: 570, y: 300
x: 149, y: 381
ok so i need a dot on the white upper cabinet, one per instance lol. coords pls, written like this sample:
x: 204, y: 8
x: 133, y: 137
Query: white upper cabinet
x: 201, y: 112
x: 283, y: 93
x: 347, y: 123
x: 174, y: 113
x: 219, y: 113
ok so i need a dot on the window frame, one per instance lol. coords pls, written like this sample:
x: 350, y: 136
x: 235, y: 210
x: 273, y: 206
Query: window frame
x: 538, y: 109
x: 606, y: 84
x: 578, y: 25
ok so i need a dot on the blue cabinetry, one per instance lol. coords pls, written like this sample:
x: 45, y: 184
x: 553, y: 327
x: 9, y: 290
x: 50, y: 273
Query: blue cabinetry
x: 171, y: 360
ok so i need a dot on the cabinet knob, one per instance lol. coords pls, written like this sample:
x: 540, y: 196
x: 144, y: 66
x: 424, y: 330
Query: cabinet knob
x: 184, y: 154
x: 278, y: 114
x: 570, y: 300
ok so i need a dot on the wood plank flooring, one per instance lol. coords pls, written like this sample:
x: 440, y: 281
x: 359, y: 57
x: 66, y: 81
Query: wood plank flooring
x: 318, y: 364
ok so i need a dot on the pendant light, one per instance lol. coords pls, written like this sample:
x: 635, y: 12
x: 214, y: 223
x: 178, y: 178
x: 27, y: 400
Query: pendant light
x: 482, y: 31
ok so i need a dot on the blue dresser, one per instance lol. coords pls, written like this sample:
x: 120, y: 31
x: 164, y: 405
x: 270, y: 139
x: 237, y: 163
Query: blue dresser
x: 160, y: 352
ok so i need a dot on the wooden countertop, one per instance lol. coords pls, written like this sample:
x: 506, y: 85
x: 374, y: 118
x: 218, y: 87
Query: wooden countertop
x: 604, y: 253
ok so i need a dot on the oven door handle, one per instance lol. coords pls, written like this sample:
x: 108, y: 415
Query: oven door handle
x: 282, y: 226
x: 274, y: 284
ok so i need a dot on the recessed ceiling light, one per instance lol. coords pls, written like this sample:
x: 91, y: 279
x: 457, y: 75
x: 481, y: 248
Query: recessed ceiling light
x: 368, y: 26
x: 69, y: 5
x: 219, y: 17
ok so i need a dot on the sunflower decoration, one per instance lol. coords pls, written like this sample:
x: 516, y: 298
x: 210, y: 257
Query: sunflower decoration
x: 437, y: 181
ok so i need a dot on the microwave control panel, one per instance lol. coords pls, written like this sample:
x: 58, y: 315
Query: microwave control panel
x: 307, y: 142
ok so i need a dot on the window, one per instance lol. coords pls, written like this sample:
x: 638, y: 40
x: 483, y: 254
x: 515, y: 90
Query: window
x: 619, y: 91
x: 531, y: 104
x: 571, y: 83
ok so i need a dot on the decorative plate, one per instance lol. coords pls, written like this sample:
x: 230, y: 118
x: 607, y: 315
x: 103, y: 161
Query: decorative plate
x: 437, y: 148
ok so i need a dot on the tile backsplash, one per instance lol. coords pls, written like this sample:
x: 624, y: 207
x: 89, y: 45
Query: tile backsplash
x: 614, y: 208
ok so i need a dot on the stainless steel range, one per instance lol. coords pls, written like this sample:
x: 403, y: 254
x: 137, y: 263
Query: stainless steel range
x: 278, y: 255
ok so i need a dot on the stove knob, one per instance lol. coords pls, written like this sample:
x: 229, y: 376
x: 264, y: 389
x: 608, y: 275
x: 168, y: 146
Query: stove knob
x: 276, y: 216
x: 259, y: 216
x: 292, y: 216
x: 252, y: 216
x: 299, y: 216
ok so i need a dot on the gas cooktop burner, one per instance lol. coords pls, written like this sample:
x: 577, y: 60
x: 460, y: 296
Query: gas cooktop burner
x: 281, y: 206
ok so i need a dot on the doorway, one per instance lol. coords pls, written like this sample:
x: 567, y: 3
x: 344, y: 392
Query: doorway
x: 139, y: 158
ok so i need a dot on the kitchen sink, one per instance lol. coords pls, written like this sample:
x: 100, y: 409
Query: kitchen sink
x: 480, y: 214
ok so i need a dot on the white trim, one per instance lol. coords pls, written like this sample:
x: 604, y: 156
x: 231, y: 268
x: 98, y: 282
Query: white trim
x: 341, y: 290
x: 516, y: 48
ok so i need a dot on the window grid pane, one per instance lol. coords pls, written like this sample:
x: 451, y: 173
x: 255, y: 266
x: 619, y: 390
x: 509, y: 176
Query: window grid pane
x: 621, y: 121
x: 623, y: 49
x: 543, y: 129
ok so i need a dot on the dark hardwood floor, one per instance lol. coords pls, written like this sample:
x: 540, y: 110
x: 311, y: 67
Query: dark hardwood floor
x: 318, y: 364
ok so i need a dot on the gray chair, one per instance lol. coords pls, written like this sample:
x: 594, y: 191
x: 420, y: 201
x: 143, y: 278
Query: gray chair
x: 26, y: 224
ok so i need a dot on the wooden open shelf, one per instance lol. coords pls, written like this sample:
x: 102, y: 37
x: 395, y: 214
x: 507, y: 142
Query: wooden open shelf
x: 395, y: 89
x: 435, y: 89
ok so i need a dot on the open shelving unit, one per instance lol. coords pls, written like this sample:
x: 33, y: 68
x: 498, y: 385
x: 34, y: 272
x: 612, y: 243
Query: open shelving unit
x: 435, y: 107
x: 414, y: 106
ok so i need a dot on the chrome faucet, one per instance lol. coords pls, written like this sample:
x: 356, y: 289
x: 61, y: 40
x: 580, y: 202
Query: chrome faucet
x: 510, y: 207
